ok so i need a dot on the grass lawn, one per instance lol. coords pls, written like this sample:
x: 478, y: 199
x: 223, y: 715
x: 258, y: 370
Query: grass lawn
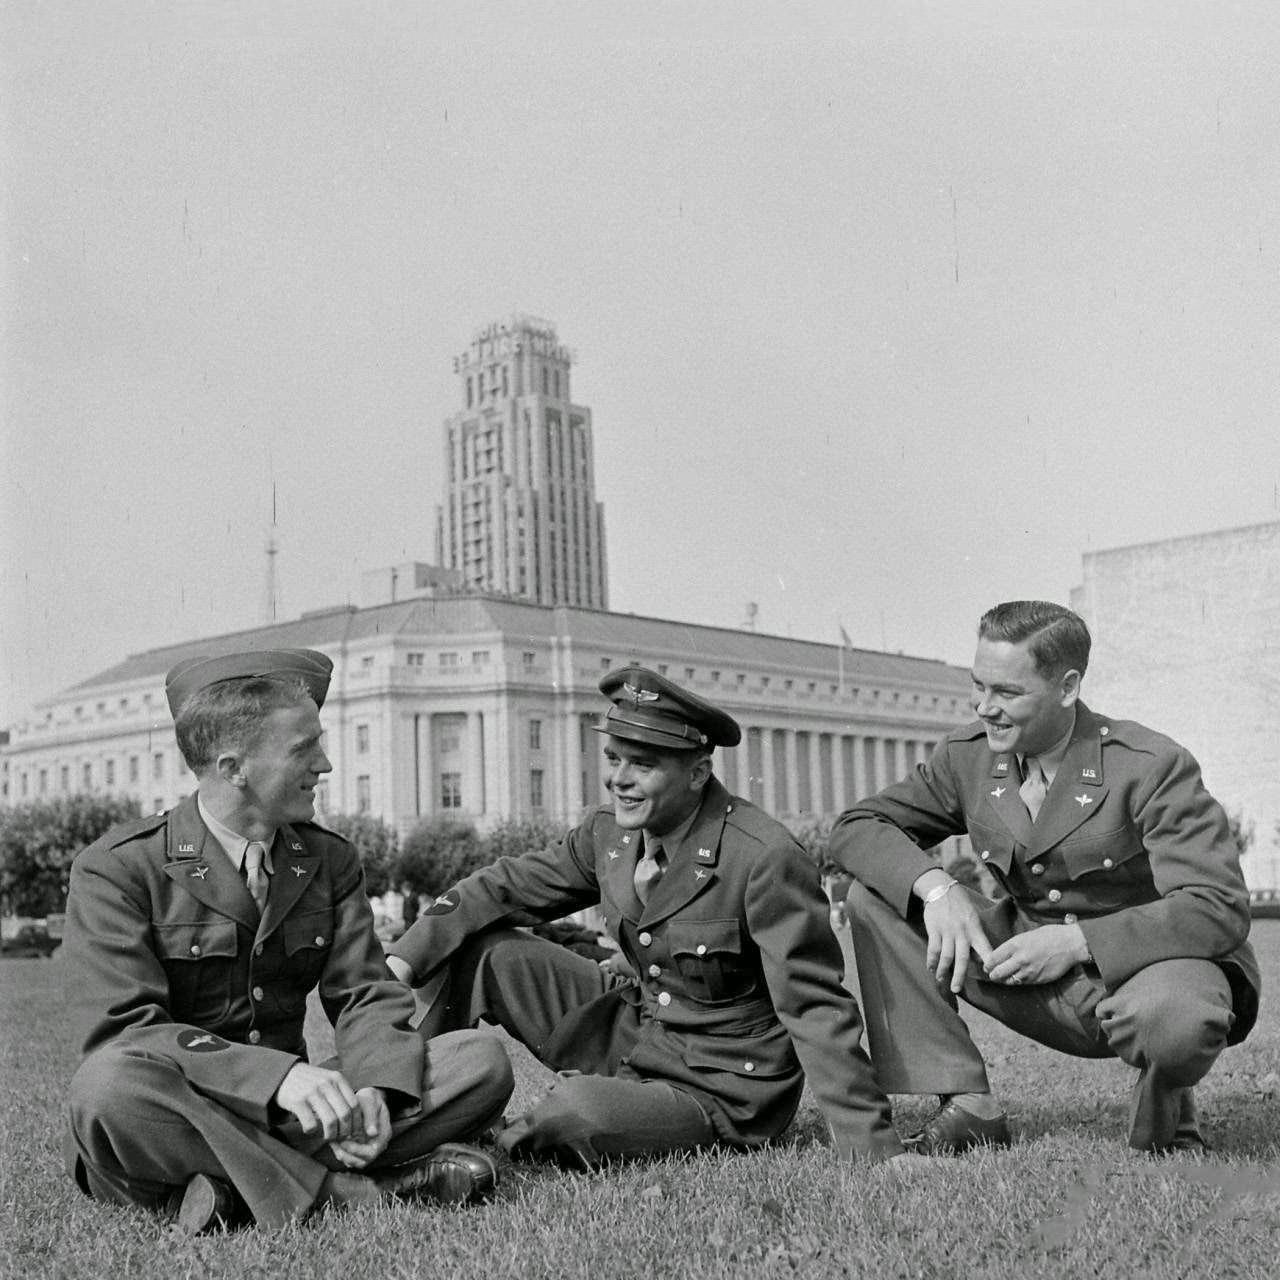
x: 1068, y: 1199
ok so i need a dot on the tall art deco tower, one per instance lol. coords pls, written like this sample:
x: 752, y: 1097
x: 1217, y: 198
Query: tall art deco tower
x: 520, y: 516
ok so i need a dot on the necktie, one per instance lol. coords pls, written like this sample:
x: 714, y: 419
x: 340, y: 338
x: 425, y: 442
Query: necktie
x: 649, y: 869
x: 255, y: 873
x: 1034, y: 786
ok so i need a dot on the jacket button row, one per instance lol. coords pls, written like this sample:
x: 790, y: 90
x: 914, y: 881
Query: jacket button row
x: 1055, y: 895
x: 254, y: 1037
x: 1037, y: 868
x: 748, y: 1066
x: 664, y: 998
x: 644, y: 939
x: 319, y: 939
x: 655, y: 971
x: 256, y: 993
x: 702, y: 949
x: 1108, y: 863
x: 195, y: 950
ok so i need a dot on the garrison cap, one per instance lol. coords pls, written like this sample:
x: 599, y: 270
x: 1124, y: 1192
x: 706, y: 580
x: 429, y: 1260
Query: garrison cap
x: 193, y: 674
x: 650, y: 708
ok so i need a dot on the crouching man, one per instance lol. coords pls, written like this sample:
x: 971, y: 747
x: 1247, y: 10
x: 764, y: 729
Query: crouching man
x: 736, y: 996
x: 193, y: 939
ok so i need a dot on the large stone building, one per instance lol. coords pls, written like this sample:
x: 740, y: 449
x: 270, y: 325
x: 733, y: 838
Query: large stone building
x: 520, y: 515
x: 1187, y: 640
x: 481, y: 707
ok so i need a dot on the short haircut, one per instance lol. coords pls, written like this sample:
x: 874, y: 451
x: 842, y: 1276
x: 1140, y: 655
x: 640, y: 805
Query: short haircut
x: 1059, y: 638
x: 231, y: 715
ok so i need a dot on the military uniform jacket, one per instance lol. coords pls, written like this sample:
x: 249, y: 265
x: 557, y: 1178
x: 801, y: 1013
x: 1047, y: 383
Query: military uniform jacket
x: 1128, y: 844
x: 738, y: 983
x: 165, y: 949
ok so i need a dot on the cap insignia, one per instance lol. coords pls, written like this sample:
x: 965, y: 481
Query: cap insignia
x: 638, y: 696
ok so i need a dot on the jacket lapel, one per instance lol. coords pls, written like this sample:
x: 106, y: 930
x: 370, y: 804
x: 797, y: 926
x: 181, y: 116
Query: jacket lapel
x: 294, y: 867
x: 1003, y: 800
x: 616, y: 869
x: 1078, y: 789
x: 198, y: 864
x: 693, y: 869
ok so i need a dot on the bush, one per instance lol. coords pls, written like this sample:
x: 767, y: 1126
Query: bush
x: 520, y: 835
x: 377, y: 844
x: 436, y: 854
x: 39, y: 840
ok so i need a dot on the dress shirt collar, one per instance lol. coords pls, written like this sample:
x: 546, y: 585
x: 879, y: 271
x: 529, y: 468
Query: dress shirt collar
x: 1051, y: 760
x: 671, y: 841
x: 232, y: 842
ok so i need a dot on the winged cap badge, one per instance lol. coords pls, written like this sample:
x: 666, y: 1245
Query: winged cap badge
x: 638, y: 696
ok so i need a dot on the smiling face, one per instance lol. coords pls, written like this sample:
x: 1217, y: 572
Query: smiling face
x: 1021, y: 709
x: 277, y: 774
x: 653, y: 789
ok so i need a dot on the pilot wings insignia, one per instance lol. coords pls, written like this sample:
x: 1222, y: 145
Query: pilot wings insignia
x: 638, y: 696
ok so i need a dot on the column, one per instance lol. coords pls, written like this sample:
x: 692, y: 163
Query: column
x: 792, y: 766
x: 475, y: 801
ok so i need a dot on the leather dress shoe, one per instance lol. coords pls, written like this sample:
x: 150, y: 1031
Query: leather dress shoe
x: 951, y: 1129
x: 206, y: 1204
x: 451, y: 1174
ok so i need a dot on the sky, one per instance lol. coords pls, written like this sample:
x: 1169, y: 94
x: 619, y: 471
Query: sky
x: 884, y: 311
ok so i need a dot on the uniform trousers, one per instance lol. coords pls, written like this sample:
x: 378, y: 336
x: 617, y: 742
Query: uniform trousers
x: 141, y: 1130
x: 597, y: 1107
x: 1170, y: 1020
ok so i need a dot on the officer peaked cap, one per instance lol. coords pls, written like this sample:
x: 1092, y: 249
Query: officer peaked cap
x: 650, y: 708
x: 193, y: 674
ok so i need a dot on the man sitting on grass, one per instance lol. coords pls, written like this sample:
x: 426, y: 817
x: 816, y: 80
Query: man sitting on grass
x: 737, y: 994
x: 193, y: 939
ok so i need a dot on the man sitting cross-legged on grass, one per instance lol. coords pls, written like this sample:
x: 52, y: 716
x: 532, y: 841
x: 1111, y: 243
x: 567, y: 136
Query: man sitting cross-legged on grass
x: 193, y: 939
x: 1121, y: 928
x: 737, y: 994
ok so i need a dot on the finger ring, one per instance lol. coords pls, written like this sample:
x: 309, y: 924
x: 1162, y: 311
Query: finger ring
x: 1014, y: 979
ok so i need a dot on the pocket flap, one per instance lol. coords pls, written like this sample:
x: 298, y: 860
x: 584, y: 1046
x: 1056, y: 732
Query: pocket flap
x: 195, y: 940
x: 314, y: 930
x: 704, y: 937
x: 1102, y: 852
x: 766, y: 1056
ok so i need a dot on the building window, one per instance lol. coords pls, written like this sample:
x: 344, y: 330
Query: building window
x: 22, y: 785
x: 157, y: 805
x: 364, y: 793
x: 527, y: 659
x: 64, y: 777
x: 451, y: 791
x: 764, y: 682
x: 480, y: 657
x: 366, y: 663
x: 448, y: 659
x: 157, y: 766
x: 362, y: 739
x: 86, y: 776
x: 535, y: 736
x: 43, y: 785
x: 662, y: 668
x: 110, y: 778
x: 133, y: 768
x: 415, y: 659
x: 715, y: 677
x: 606, y: 663
x: 535, y: 788
x: 688, y: 673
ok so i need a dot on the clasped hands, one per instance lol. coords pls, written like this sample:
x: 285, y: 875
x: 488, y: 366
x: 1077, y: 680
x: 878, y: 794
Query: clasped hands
x: 955, y: 934
x: 355, y: 1122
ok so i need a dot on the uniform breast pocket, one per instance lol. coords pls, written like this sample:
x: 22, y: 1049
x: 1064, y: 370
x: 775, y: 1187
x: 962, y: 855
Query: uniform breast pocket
x: 1109, y: 864
x: 199, y: 959
x: 712, y: 960
x: 307, y: 941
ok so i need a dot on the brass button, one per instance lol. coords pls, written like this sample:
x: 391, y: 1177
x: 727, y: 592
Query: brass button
x: 644, y: 939
x: 748, y: 1065
x: 257, y: 993
x: 195, y: 949
x: 319, y: 939
x: 1055, y: 895
x: 664, y: 998
x: 254, y: 1037
x: 1037, y: 868
x: 655, y: 971
x: 1107, y: 862
x: 702, y: 948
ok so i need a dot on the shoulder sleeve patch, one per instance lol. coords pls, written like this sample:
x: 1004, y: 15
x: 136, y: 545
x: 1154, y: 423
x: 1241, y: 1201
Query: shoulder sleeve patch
x: 194, y: 1040
x: 442, y: 905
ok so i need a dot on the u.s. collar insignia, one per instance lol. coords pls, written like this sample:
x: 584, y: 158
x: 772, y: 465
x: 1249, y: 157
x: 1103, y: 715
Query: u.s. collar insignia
x: 200, y: 872
x: 1083, y: 800
x: 998, y: 792
x: 298, y: 871
x: 186, y: 848
x: 295, y: 845
x: 1002, y: 767
x: 627, y: 838
x: 705, y: 855
x: 700, y: 873
x: 638, y: 696
x: 1088, y: 773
